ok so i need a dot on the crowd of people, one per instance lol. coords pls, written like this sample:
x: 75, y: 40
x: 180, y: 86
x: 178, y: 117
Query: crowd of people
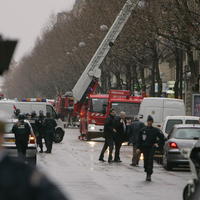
x: 145, y: 139
x: 41, y: 128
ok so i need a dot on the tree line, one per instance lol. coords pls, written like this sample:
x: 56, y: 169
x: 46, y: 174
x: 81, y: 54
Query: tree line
x: 157, y: 31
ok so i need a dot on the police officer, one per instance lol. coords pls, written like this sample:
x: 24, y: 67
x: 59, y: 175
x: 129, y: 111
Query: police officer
x: 22, y: 130
x: 108, y: 134
x: 32, y: 121
x: 120, y: 135
x: 16, y: 113
x: 134, y: 130
x: 19, y: 181
x: 149, y: 139
x: 40, y: 129
x: 49, y: 128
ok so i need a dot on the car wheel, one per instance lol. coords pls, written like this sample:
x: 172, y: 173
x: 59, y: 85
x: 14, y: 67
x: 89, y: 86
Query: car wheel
x: 166, y: 164
x: 58, y: 137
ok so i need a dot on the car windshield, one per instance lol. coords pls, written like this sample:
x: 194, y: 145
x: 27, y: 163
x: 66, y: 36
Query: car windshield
x: 187, y: 133
x: 131, y: 109
x: 8, y: 127
x: 171, y: 123
x: 98, y: 105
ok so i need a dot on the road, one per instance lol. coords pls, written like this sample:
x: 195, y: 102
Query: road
x: 74, y: 166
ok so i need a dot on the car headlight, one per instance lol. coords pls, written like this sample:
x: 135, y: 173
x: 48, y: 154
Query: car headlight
x: 91, y: 127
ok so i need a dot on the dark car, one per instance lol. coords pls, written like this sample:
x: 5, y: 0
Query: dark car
x: 181, y: 137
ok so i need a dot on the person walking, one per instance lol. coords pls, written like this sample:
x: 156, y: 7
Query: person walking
x: 120, y: 135
x: 19, y: 181
x: 49, y: 128
x: 22, y: 130
x: 134, y: 131
x: 40, y: 128
x: 149, y: 139
x: 108, y: 134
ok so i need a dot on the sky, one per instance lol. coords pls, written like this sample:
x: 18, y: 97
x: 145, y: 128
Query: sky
x: 25, y: 19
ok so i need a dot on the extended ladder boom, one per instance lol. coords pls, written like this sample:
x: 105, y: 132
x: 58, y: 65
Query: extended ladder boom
x: 93, y: 71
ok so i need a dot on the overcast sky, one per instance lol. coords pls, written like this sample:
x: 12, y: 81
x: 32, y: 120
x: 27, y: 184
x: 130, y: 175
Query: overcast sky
x: 25, y: 19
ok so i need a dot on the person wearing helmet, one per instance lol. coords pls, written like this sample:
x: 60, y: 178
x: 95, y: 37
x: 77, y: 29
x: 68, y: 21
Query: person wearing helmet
x: 49, y: 127
x: 21, y: 181
x: 22, y: 130
x: 16, y: 113
x: 40, y: 128
x: 149, y: 139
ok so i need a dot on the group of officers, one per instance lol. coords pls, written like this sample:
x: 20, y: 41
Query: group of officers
x: 41, y: 128
x: 145, y: 139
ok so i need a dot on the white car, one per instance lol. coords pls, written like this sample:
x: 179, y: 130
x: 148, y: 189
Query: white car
x: 9, y: 143
x: 170, y: 121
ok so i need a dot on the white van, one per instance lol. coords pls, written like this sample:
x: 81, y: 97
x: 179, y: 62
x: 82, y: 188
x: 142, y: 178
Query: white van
x: 8, y: 106
x: 170, y: 121
x: 160, y: 108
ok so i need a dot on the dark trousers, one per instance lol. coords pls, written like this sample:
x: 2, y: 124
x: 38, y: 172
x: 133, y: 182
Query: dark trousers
x: 148, y: 159
x: 49, y: 141
x: 136, y: 156
x: 118, y: 144
x: 39, y: 141
x: 108, y: 143
x: 21, y: 148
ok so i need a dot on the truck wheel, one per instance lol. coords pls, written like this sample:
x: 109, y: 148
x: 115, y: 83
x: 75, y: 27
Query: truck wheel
x: 59, y: 134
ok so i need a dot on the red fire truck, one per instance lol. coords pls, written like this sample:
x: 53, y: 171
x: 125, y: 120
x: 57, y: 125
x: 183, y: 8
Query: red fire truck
x: 94, y: 108
x: 94, y: 113
x: 64, y: 106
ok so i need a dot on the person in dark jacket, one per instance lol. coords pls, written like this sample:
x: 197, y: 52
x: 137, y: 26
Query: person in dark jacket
x: 49, y: 128
x: 149, y: 139
x: 108, y: 134
x: 40, y: 128
x: 22, y: 130
x: 120, y: 135
x: 134, y: 130
x: 19, y: 181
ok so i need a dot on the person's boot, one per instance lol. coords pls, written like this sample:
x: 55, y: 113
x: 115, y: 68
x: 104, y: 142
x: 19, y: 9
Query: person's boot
x: 41, y: 151
x: 148, y: 178
x: 110, y: 159
x: 101, y: 158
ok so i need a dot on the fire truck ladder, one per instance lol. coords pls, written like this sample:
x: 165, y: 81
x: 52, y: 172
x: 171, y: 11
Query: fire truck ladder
x: 92, y: 70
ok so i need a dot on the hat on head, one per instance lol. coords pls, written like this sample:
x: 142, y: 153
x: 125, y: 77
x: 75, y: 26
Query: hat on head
x: 150, y: 118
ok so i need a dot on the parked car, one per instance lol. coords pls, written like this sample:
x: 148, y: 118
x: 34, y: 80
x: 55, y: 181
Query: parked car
x: 170, y: 121
x: 181, y: 137
x: 9, y: 143
x: 160, y: 108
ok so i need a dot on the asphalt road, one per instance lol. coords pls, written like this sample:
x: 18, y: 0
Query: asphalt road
x: 74, y: 166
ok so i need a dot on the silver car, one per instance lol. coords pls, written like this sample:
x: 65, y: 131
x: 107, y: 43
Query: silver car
x: 9, y: 143
x: 181, y: 137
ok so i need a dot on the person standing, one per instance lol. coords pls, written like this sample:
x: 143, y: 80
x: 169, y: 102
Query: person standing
x: 49, y: 128
x: 134, y: 130
x: 120, y: 135
x: 20, y: 181
x: 22, y: 130
x: 108, y: 134
x: 149, y: 139
x: 40, y: 128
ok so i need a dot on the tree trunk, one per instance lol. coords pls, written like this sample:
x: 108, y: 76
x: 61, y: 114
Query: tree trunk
x: 176, y: 86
